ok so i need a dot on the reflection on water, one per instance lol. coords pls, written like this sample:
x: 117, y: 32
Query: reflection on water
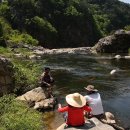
x: 73, y: 72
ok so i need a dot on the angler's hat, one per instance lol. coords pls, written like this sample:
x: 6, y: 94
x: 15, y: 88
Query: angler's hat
x: 90, y: 88
x: 76, y: 100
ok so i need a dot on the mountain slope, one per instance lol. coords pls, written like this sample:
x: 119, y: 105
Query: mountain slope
x: 66, y: 23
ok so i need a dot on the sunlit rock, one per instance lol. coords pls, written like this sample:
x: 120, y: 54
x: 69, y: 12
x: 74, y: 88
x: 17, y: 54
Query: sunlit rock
x: 92, y: 124
x: 18, y: 55
x: 118, y: 56
x: 38, y: 98
x: 127, y: 57
x: 113, y: 72
x: 119, y: 42
x: 32, y: 57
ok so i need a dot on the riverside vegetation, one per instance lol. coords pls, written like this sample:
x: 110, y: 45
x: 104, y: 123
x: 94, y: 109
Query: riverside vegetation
x: 14, y: 114
x: 52, y: 24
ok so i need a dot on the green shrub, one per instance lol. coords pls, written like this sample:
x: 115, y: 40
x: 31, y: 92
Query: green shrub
x: 14, y: 36
x: 15, y: 115
x: 4, y: 8
x: 6, y: 52
x: 127, y: 28
x: 26, y: 75
x: 17, y: 37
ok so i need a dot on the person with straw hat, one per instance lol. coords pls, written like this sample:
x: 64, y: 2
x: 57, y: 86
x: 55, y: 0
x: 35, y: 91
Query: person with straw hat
x: 75, y: 109
x: 94, y: 101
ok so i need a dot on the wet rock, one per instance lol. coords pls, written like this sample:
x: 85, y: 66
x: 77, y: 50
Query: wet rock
x: 6, y: 76
x: 92, y: 124
x: 37, y: 99
x: 116, y: 43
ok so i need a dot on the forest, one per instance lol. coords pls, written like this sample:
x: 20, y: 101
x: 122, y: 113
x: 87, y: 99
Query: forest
x: 61, y: 23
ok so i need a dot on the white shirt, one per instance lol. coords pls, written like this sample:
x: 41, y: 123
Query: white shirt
x: 94, y: 101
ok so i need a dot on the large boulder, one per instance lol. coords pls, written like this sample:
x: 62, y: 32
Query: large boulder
x: 92, y: 124
x: 37, y: 99
x: 6, y: 76
x: 119, y: 42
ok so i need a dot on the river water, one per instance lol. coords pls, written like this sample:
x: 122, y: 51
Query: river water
x: 73, y: 72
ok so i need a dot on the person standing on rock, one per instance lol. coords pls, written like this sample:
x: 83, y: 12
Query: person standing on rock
x: 94, y: 101
x: 46, y: 82
x: 75, y: 109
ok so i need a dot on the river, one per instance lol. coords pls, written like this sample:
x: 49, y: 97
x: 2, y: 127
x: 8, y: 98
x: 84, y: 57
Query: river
x: 73, y: 72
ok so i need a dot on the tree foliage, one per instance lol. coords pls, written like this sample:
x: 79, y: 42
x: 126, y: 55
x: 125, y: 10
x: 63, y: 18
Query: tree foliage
x: 66, y: 23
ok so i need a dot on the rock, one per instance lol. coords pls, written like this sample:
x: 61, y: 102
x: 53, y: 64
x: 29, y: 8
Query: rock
x: 113, y: 72
x: 37, y: 96
x: 118, y: 42
x: 80, y: 50
x: 118, y: 56
x: 6, y: 76
x: 44, y: 104
x: 120, y: 32
x: 38, y: 57
x: 18, y: 55
x: 92, y: 124
x: 127, y: 57
x: 38, y: 52
x: 32, y: 57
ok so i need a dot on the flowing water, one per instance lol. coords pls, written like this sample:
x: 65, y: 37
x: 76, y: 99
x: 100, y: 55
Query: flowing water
x: 73, y: 72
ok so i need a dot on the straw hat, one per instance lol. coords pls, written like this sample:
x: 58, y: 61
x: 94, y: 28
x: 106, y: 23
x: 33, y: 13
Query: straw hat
x: 90, y: 88
x: 76, y: 100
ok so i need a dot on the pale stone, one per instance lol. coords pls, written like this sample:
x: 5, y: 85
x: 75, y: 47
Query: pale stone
x: 113, y: 72
x: 32, y: 57
x: 127, y: 57
x: 19, y: 55
x: 92, y: 124
x: 37, y: 96
x: 118, y: 56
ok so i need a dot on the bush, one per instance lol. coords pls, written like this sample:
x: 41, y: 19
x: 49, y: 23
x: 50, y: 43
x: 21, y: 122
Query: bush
x: 26, y: 75
x: 14, y: 36
x: 17, y: 37
x: 4, y: 8
x: 6, y: 52
x: 127, y: 28
x: 16, y: 115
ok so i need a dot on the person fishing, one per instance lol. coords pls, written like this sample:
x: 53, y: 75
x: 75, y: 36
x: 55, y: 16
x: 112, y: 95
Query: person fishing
x: 46, y: 82
x: 75, y: 109
x: 94, y: 101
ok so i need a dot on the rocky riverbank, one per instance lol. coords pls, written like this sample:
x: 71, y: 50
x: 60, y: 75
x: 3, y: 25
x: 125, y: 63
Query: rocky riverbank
x: 119, y: 42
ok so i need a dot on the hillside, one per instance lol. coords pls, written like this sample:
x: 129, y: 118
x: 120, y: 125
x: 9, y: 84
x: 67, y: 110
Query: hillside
x: 62, y: 23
